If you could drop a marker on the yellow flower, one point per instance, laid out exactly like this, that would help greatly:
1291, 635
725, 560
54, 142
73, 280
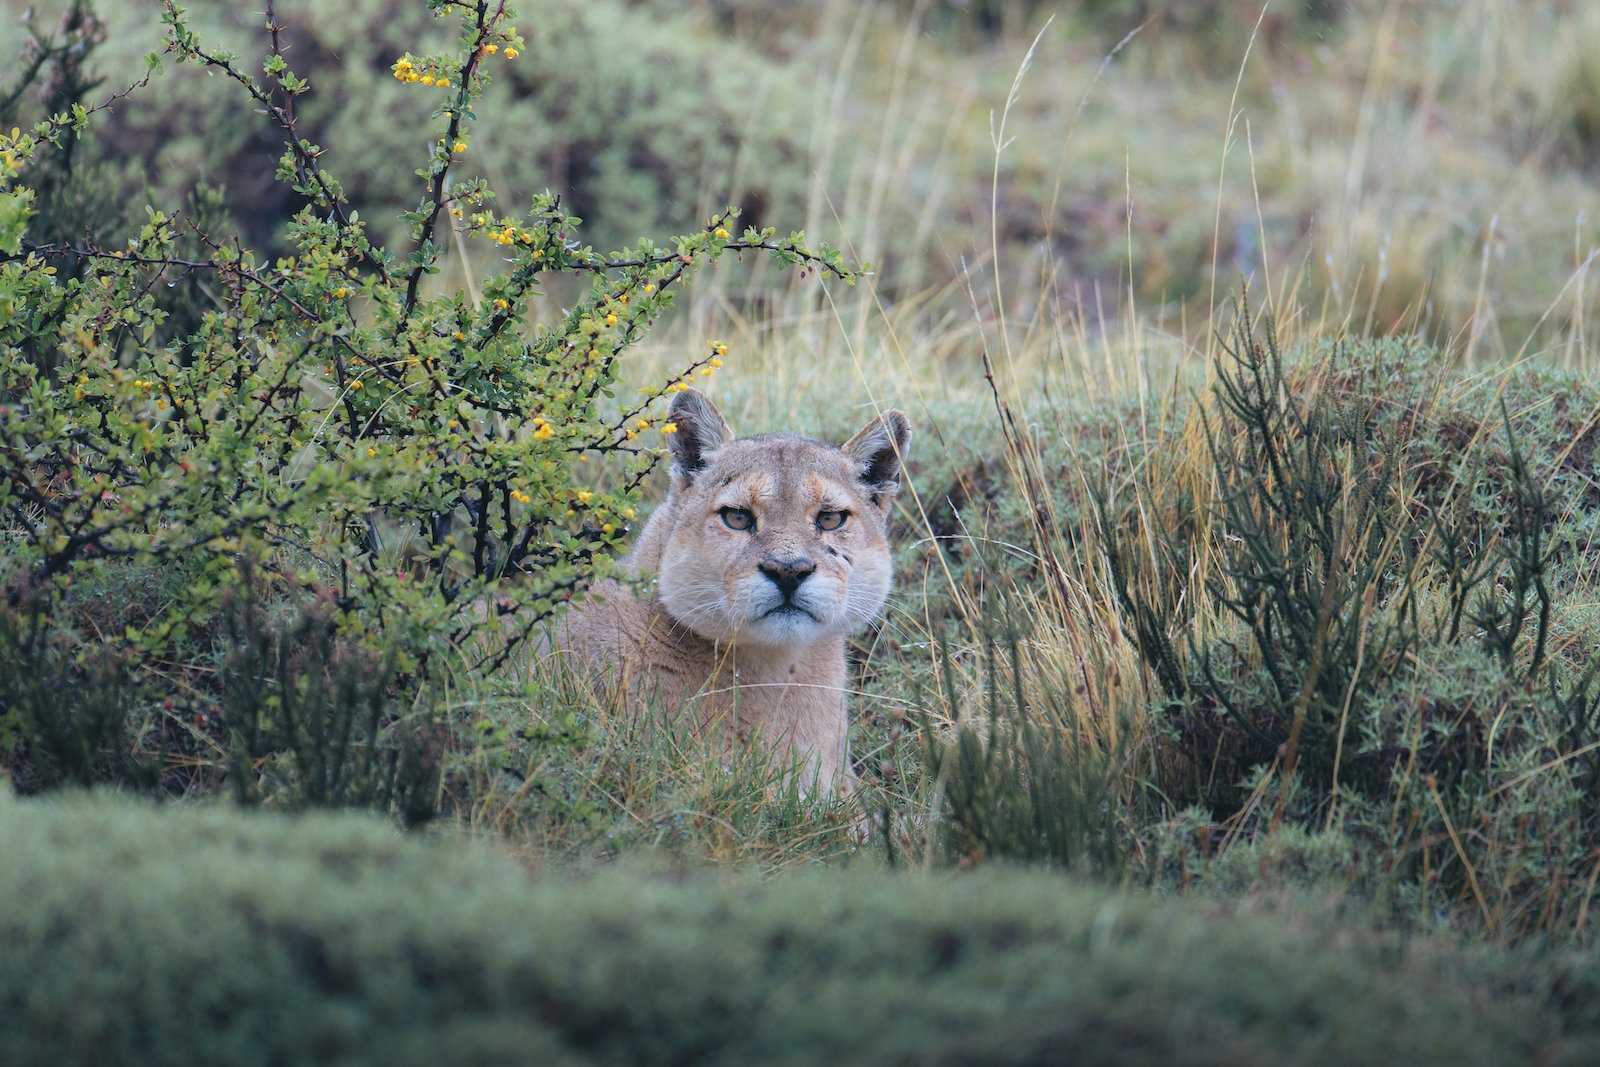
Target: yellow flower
491, 49
502, 304
611, 319
459, 336
584, 496
444, 83
427, 79
721, 233
459, 147
340, 293
628, 513
356, 384
644, 424
720, 348
714, 362
538, 253
452, 424
542, 430
706, 372
669, 427
520, 497
649, 287
372, 453
511, 53
608, 529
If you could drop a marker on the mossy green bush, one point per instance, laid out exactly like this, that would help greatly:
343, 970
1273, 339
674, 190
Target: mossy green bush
136, 936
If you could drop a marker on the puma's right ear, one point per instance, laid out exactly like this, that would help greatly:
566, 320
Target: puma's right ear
879, 451
700, 432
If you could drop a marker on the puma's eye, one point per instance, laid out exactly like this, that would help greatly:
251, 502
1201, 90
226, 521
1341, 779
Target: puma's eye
738, 519
831, 520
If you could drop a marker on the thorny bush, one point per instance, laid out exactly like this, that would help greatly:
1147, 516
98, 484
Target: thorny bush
410, 455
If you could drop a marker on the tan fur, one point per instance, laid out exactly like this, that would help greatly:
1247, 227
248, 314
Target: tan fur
713, 637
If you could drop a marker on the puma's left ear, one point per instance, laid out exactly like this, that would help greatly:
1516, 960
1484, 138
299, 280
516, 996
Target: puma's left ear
701, 432
879, 451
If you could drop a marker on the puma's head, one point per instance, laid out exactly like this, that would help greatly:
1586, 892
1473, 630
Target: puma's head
775, 540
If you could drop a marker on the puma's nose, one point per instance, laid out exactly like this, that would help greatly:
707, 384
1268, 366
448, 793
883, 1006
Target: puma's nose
787, 574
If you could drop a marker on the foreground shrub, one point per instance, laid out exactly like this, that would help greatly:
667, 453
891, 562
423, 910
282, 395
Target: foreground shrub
204, 936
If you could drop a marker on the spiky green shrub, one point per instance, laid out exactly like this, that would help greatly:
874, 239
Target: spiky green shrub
312, 721
193, 935
1384, 578
66, 712
406, 454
